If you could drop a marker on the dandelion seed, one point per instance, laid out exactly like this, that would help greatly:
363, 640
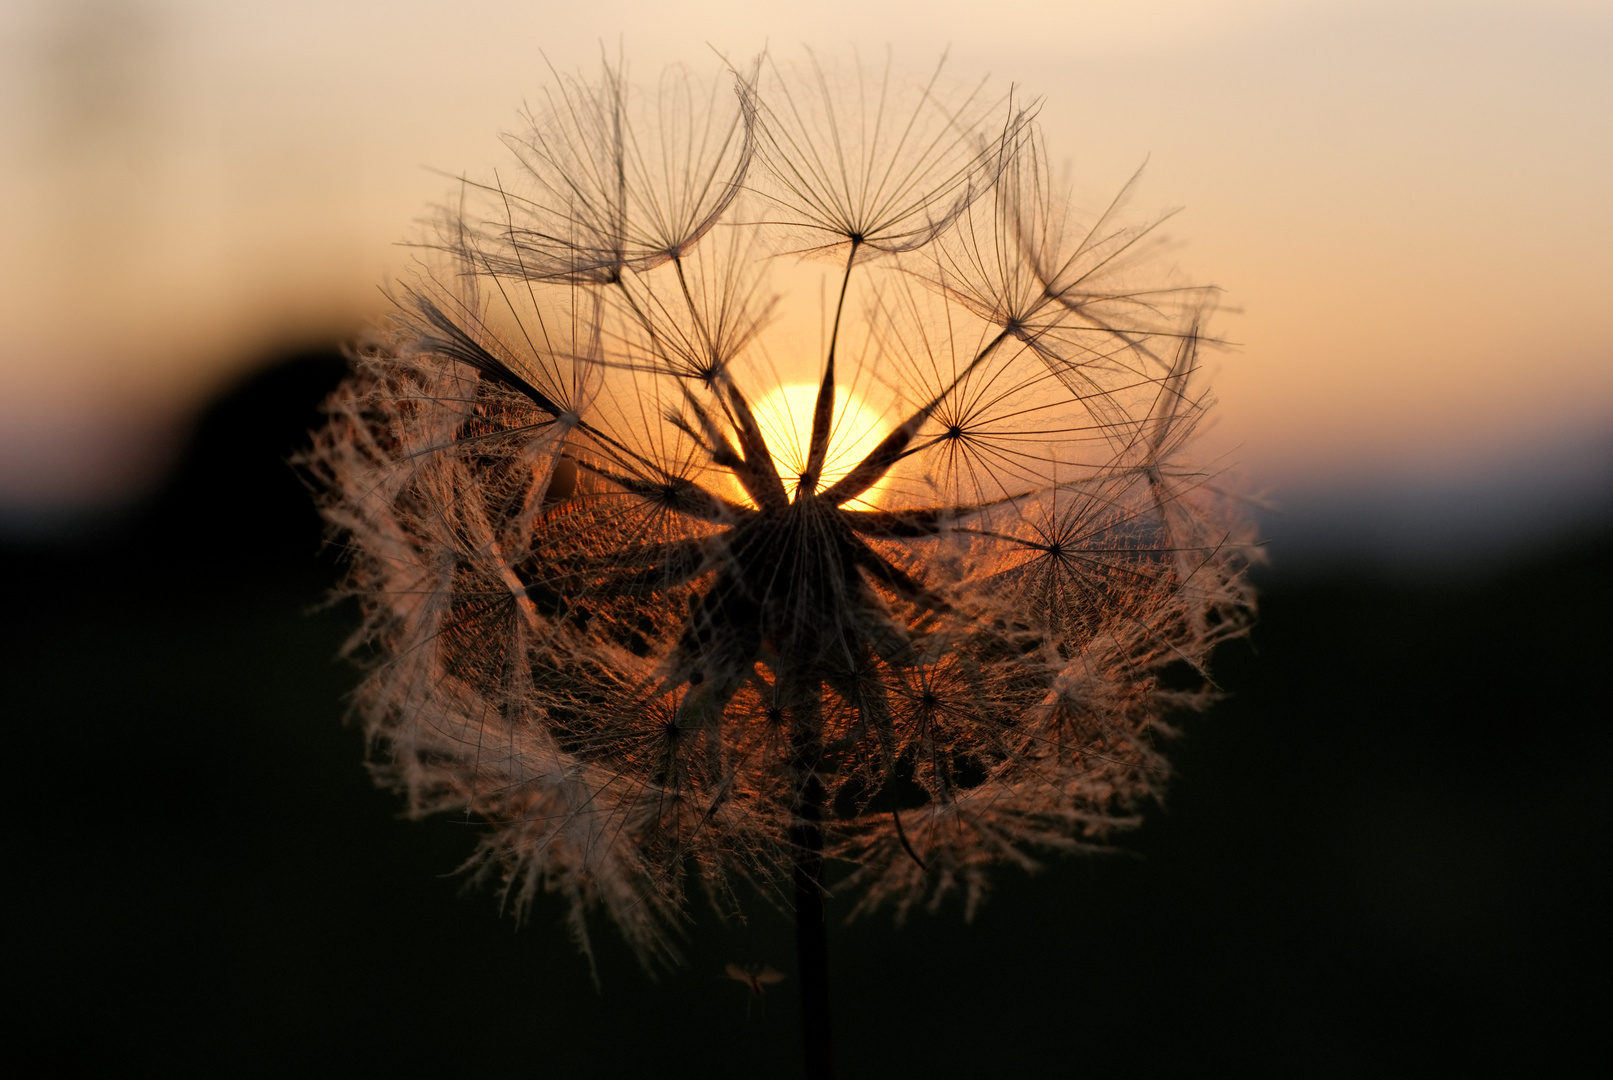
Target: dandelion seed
756, 979
661, 598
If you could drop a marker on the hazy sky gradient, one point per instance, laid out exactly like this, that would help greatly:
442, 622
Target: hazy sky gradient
1405, 204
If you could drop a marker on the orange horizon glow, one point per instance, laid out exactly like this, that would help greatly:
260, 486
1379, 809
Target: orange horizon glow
1403, 205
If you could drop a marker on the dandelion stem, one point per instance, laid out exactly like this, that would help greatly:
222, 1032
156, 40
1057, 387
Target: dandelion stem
806, 838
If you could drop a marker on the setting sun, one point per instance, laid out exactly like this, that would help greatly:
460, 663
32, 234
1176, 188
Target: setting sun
785, 416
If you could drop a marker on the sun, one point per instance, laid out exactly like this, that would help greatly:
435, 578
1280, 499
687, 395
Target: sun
785, 417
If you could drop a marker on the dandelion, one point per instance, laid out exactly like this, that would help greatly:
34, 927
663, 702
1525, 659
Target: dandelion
665, 591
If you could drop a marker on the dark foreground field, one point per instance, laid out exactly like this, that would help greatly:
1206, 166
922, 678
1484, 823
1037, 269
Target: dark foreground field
1385, 854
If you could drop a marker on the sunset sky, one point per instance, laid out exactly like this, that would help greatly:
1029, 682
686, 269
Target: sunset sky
1405, 204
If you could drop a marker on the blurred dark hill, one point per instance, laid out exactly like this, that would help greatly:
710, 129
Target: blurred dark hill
1384, 854
232, 500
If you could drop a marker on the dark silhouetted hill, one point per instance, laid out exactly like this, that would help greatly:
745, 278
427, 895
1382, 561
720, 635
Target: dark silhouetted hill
1384, 854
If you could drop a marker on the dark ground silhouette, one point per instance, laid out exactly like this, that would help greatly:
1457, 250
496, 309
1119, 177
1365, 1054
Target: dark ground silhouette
1384, 854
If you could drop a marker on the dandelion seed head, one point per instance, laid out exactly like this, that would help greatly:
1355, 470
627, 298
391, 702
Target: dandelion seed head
663, 595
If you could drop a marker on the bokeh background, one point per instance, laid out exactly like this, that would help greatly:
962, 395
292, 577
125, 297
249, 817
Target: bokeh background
1385, 853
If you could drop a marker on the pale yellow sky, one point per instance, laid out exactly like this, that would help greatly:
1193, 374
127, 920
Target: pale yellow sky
1405, 203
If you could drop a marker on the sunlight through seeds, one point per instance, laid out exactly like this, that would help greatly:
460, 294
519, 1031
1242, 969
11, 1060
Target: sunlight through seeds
785, 419
660, 617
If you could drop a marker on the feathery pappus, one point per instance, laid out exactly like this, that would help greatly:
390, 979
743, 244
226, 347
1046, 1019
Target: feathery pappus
774, 469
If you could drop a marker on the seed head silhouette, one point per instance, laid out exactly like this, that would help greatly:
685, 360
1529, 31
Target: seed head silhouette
664, 588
